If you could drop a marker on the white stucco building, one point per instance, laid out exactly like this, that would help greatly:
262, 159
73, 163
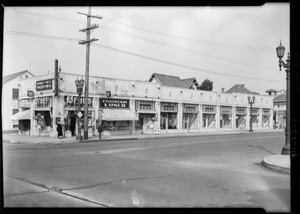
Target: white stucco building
10, 99
136, 107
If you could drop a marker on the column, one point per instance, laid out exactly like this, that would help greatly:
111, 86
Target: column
271, 119
97, 116
32, 120
179, 116
55, 110
218, 112
248, 118
200, 117
233, 116
157, 123
260, 111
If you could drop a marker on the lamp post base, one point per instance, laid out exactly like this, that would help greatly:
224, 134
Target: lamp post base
250, 130
285, 150
78, 137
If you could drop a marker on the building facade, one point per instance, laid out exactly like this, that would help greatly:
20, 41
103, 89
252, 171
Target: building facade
279, 111
135, 107
10, 101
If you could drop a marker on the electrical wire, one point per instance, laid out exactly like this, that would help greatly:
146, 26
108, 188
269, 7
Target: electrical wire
134, 54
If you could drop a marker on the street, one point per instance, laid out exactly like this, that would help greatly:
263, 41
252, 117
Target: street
198, 171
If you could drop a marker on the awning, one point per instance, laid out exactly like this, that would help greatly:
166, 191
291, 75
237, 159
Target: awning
146, 112
23, 115
113, 114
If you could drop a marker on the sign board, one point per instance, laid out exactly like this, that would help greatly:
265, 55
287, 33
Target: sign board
43, 85
24, 103
30, 93
79, 114
169, 107
114, 103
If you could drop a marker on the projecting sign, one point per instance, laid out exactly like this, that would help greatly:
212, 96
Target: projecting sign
113, 103
30, 93
43, 85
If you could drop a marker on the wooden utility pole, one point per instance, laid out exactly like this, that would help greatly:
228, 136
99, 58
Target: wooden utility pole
87, 42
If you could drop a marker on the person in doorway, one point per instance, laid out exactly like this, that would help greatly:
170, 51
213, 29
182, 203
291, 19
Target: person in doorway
59, 130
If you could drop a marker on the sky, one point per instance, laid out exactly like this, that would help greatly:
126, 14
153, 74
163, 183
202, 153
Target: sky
227, 45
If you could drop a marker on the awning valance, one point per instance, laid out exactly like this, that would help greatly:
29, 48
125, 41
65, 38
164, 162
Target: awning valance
114, 115
23, 115
146, 111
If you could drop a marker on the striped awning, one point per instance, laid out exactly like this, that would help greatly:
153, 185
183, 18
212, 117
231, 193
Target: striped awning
118, 115
23, 115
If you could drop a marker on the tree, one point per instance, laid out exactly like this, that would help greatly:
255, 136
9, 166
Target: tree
206, 85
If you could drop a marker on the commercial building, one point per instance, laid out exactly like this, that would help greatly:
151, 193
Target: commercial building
280, 111
133, 107
10, 102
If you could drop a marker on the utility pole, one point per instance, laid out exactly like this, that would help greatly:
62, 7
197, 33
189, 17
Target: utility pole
87, 42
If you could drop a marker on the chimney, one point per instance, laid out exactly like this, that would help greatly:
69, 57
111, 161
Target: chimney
223, 90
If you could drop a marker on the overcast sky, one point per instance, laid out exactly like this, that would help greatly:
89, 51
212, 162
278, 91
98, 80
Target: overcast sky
227, 45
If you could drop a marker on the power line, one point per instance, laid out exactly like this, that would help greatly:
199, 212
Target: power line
189, 39
135, 54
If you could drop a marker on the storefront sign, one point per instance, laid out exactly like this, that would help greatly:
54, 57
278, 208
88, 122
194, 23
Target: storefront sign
190, 108
240, 110
43, 102
209, 109
169, 107
71, 101
30, 93
43, 85
226, 110
25, 103
114, 103
144, 105
266, 112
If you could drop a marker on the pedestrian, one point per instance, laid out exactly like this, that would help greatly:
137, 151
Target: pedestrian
100, 129
59, 130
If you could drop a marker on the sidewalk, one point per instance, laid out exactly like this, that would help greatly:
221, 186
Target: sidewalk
24, 139
279, 163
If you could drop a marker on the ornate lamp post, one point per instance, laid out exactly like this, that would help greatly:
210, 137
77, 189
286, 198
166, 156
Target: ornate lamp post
79, 84
280, 53
251, 101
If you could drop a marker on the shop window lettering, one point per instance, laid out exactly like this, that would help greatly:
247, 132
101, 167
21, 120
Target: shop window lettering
72, 101
144, 105
43, 102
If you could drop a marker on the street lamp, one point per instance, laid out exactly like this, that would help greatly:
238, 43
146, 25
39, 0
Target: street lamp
251, 101
280, 53
79, 85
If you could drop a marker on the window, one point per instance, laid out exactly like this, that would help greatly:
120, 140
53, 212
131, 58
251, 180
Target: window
26, 76
15, 93
15, 111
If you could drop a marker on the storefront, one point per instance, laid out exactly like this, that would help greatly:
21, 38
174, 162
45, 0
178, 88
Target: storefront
71, 110
209, 117
225, 117
147, 116
190, 116
168, 115
43, 111
23, 117
254, 118
241, 117
266, 113
116, 116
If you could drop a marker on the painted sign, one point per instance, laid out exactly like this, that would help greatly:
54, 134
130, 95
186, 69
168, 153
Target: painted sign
24, 103
43, 85
114, 103
71, 101
169, 107
43, 102
209, 109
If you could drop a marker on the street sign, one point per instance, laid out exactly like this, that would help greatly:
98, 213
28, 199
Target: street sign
79, 114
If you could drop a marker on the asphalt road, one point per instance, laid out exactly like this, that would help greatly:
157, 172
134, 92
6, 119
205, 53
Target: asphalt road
202, 171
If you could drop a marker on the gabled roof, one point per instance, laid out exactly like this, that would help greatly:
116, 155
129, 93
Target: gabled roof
173, 81
14, 75
240, 88
271, 90
281, 97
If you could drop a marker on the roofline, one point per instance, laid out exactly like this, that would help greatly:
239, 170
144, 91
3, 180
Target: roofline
21, 72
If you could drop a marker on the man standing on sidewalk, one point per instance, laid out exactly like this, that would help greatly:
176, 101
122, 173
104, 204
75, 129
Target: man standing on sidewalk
100, 129
59, 130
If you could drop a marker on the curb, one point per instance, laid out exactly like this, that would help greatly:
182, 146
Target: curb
195, 134
277, 168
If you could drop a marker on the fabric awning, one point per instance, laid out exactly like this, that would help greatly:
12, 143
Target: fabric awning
23, 115
113, 114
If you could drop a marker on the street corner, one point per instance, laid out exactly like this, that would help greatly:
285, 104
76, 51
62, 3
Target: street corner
279, 163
